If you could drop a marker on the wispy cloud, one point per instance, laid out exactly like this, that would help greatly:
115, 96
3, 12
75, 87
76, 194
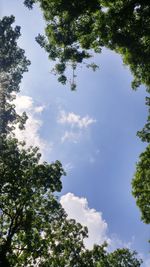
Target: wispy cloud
31, 133
93, 156
75, 125
68, 167
71, 136
75, 120
116, 242
147, 263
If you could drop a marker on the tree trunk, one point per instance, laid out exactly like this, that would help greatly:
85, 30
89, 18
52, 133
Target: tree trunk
3, 86
3, 261
3, 258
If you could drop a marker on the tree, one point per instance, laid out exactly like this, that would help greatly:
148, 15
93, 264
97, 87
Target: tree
141, 179
123, 258
144, 134
33, 225
13, 64
141, 185
34, 228
74, 28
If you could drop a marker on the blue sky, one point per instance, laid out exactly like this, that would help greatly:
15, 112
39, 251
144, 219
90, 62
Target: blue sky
92, 131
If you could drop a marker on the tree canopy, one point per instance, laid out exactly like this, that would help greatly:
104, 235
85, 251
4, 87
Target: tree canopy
144, 134
74, 28
13, 64
141, 184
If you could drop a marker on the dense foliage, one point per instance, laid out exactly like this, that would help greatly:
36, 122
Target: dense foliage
13, 64
34, 228
141, 184
75, 27
144, 134
141, 179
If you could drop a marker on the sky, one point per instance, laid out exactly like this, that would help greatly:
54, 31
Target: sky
92, 131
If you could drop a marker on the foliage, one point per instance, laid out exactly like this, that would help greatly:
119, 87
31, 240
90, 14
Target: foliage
141, 180
34, 228
25, 200
13, 64
123, 258
75, 27
144, 134
141, 185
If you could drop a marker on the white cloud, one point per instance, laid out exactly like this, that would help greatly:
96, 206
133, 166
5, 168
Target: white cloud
77, 208
76, 126
25, 103
39, 109
75, 120
71, 136
31, 133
